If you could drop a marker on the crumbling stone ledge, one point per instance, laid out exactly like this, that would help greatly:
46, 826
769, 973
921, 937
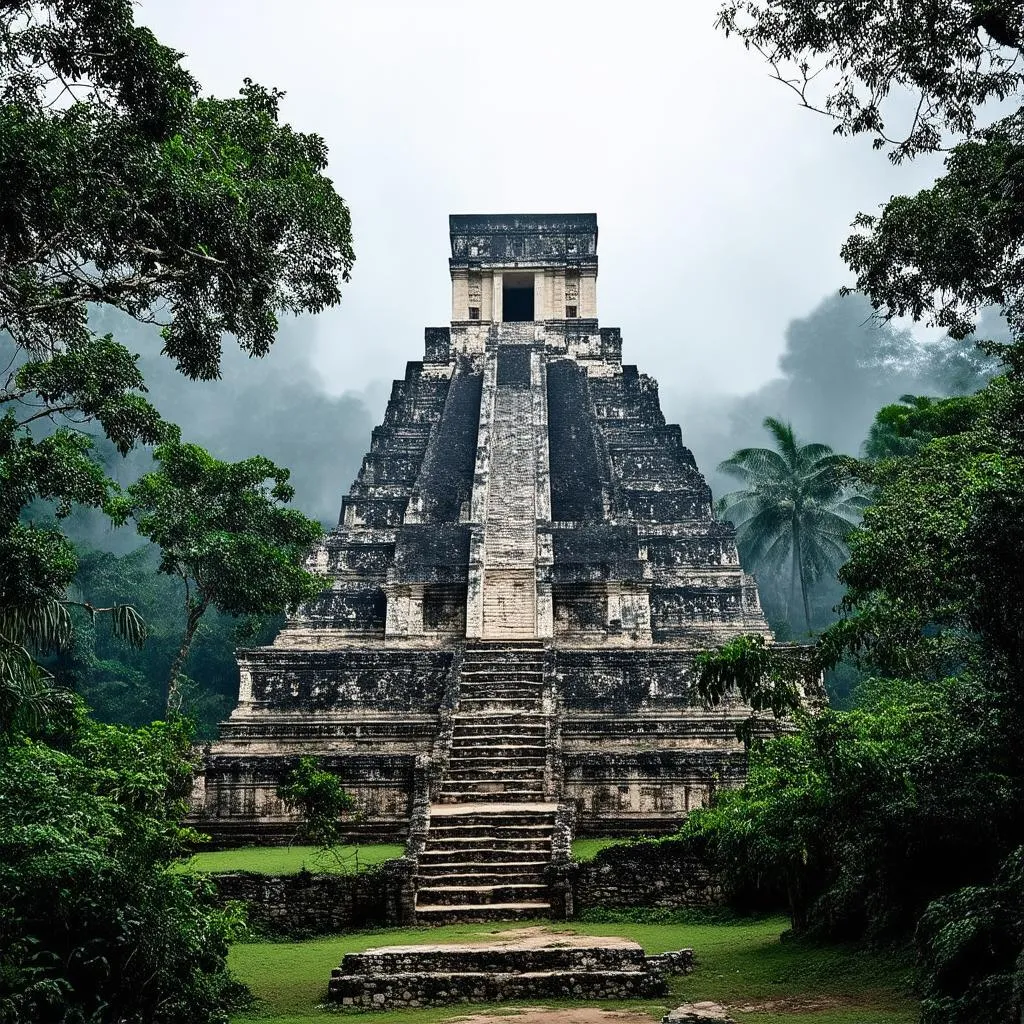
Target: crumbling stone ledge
307, 904
644, 874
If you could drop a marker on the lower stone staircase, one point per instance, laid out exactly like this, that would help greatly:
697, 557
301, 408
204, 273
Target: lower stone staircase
488, 845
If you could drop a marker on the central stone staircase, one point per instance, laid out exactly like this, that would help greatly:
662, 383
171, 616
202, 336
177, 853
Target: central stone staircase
488, 845
510, 536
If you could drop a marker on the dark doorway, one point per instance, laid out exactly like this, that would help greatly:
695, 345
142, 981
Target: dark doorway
517, 298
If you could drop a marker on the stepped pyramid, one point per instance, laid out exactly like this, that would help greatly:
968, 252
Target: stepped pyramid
522, 575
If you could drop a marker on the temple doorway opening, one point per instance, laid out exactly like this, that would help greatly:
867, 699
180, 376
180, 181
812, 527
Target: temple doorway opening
517, 298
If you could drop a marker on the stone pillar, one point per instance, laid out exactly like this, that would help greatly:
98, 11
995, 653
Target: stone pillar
496, 297
244, 682
540, 306
460, 295
588, 294
487, 295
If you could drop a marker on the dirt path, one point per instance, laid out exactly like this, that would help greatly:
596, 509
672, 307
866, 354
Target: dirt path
540, 1015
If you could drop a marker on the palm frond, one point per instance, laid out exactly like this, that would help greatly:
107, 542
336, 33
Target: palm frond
785, 439
42, 627
28, 696
826, 522
769, 553
760, 533
814, 452
739, 506
128, 625
756, 464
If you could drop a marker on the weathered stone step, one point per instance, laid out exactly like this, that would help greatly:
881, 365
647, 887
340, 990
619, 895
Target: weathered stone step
492, 791
477, 895
494, 773
444, 854
532, 687
485, 645
497, 867
503, 677
497, 812
503, 664
447, 914
473, 779
496, 705
441, 989
533, 683
519, 793
518, 657
500, 750
528, 668
446, 817
449, 960
524, 830
488, 741
536, 841
469, 757
478, 878
507, 691
509, 726
497, 785
524, 672
494, 691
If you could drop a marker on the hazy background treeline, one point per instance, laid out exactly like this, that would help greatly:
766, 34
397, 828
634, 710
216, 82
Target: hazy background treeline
838, 368
276, 406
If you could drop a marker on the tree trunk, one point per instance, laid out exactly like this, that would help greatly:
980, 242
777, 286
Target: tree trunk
193, 614
795, 575
803, 579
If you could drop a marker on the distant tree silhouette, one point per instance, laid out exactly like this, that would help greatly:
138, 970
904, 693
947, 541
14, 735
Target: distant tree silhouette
795, 509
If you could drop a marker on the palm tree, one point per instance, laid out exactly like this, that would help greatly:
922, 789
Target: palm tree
795, 509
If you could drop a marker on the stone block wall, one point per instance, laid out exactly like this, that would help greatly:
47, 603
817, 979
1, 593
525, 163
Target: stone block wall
644, 874
321, 904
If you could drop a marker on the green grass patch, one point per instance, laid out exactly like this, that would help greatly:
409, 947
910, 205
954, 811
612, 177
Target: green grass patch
284, 860
588, 849
742, 964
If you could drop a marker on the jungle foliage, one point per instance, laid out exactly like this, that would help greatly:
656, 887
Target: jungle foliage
899, 820
95, 928
123, 190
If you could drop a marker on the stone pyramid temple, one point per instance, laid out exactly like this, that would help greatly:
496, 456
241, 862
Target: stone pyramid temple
521, 577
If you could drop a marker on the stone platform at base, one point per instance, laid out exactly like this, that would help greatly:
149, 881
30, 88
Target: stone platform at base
526, 963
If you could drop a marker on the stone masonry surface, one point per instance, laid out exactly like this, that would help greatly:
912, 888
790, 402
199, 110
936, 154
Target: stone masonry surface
523, 572
531, 964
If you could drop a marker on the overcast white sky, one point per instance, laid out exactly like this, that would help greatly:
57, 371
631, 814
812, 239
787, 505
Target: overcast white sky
721, 205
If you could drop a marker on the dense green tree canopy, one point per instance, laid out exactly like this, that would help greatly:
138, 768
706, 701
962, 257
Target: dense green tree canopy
907, 811
848, 57
320, 801
223, 530
120, 185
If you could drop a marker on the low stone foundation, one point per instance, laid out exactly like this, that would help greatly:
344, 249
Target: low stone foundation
644, 874
307, 904
412, 990
531, 964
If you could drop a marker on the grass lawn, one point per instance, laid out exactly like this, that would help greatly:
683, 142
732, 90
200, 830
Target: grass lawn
588, 849
742, 964
283, 860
